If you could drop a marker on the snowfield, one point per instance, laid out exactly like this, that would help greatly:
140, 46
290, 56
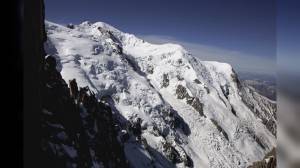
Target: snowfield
195, 109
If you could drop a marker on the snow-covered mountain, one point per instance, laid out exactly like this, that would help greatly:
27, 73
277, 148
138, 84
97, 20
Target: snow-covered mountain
193, 113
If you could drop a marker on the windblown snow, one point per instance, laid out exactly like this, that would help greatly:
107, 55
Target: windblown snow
191, 110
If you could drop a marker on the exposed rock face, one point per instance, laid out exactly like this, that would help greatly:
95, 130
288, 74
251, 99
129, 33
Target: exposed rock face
150, 69
78, 131
225, 91
181, 92
176, 154
269, 161
193, 101
171, 153
165, 80
197, 81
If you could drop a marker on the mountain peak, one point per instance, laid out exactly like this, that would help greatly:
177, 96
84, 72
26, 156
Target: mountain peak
192, 112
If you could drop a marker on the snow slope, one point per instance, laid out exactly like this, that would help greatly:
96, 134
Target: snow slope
190, 109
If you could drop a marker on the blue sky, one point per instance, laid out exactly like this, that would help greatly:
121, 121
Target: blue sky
288, 36
240, 32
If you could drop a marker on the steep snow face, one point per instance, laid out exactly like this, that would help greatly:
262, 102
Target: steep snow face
194, 113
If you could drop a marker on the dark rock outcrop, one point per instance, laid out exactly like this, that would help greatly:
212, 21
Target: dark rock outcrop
77, 129
225, 90
197, 81
165, 82
181, 92
171, 153
269, 161
193, 101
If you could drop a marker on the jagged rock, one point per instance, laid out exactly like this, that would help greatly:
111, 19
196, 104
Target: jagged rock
73, 88
181, 92
76, 127
269, 161
119, 49
225, 90
150, 69
165, 82
171, 153
188, 162
179, 61
136, 128
193, 101
197, 81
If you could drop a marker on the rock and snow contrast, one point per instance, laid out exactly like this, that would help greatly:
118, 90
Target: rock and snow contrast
263, 87
193, 113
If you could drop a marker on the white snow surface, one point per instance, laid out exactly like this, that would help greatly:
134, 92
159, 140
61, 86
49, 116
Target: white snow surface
130, 70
